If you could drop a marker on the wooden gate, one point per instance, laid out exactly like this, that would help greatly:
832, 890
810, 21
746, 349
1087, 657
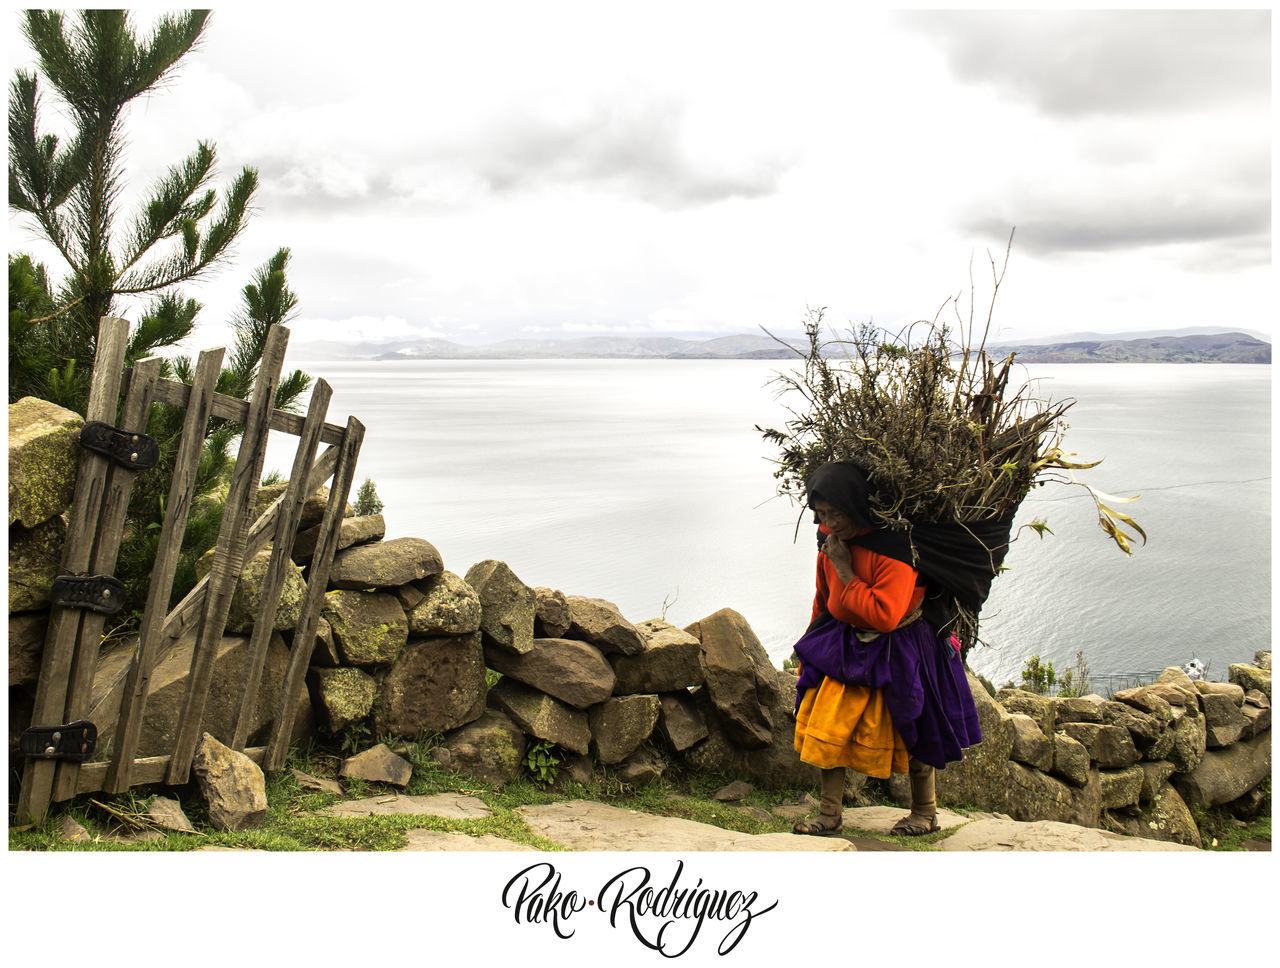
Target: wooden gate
95, 528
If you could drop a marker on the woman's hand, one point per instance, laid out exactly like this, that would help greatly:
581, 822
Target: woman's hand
840, 556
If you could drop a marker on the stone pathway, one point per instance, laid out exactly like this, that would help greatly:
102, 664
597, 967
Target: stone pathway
588, 825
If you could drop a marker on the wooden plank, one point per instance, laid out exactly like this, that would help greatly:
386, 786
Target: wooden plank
110, 528
294, 497
304, 638
185, 613
229, 556
177, 510
233, 408
149, 769
64, 623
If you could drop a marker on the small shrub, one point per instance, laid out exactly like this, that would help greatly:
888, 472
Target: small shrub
367, 500
1038, 677
542, 761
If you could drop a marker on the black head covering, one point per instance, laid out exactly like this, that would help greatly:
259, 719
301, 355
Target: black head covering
956, 560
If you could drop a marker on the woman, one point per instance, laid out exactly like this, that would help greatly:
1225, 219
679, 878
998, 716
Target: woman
881, 689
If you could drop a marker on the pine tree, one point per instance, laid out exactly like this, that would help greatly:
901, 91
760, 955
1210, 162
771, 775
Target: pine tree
71, 192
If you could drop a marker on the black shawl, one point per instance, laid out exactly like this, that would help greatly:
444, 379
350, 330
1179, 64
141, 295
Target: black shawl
957, 561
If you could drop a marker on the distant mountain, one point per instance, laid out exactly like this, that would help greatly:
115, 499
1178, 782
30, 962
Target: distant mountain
1218, 347
1198, 348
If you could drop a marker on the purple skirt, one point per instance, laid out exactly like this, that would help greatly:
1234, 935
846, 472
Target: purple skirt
923, 679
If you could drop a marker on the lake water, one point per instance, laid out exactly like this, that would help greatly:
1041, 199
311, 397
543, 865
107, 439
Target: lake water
644, 482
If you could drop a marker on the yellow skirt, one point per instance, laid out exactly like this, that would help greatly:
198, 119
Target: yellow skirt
842, 725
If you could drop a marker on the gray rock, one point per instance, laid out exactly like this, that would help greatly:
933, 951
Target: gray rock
167, 688
599, 622
733, 791
72, 831
1189, 742
1109, 746
1070, 759
370, 628
620, 724
740, 680
680, 721
572, 671
491, 749
1259, 720
448, 606
1250, 677
1143, 729
1146, 700
1256, 697
641, 768
1229, 689
1224, 775
1174, 694
309, 782
543, 717
670, 660
352, 532
1039, 708
35, 560
1154, 778
233, 786
378, 765
982, 776
1032, 795
1248, 807
773, 766
44, 454
1177, 676
1077, 709
385, 564
507, 605
1121, 788
247, 599
1030, 745
551, 613
1162, 747
1224, 721
168, 813
26, 646
341, 696
435, 685
1262, 660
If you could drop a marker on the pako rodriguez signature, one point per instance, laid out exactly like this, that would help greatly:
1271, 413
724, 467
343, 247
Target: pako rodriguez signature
667, 918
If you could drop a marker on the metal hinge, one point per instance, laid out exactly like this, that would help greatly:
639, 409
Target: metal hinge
74, 741
136, 451
95, 593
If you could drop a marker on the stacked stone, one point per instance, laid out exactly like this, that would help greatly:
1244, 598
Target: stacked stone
1133, 763
44, 453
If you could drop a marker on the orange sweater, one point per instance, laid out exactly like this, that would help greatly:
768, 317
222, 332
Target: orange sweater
881, 594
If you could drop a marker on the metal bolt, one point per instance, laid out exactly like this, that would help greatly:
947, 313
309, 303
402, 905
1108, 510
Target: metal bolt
50, 750
133, 439
106, 594
134, 457
56, 737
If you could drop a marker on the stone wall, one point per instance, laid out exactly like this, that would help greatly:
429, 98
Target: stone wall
403, 646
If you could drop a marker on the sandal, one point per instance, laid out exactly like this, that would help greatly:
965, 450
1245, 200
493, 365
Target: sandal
820, 826
908, 826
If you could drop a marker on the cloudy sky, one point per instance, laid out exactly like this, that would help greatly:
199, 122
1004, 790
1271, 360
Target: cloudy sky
489, 170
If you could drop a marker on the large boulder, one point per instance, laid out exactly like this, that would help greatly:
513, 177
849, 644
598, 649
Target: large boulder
671, 660
1121, 788
35, 560
1109, 746
168, 685
740, 680
1165, 817
507, 605
1224, 722
1040, 708
247, 599
571, 671
341, 697
1259, 718
599, 622
447, 606
680, 721
1030, 745
1250, 677
1189, 741
1070, 760
1155, 776
1032, 795
1224, 775
1143, 729
551, 613
491, 749
385, 564
44, 453
233, 786
26, 646
620, 724
1145, 699
1077, 709
351, 532
435, 685
369, 628
1229, 689
542, 716
980, 778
